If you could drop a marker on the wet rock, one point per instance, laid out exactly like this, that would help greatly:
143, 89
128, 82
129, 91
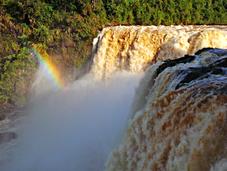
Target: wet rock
192, 74
2, 116
171, 63
7, 137
219, 52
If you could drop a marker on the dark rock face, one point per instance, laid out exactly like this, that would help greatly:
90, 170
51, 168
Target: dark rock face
181, 124
172, 63
216, 65
7, 137
2, 116
219, 52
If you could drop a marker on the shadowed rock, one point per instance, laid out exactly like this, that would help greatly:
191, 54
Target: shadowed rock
7, 137
171, 63
2, 116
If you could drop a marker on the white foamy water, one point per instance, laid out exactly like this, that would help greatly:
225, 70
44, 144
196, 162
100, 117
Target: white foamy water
75, 128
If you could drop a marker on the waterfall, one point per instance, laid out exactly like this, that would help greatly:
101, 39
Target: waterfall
77, 126
181, 123
134, 48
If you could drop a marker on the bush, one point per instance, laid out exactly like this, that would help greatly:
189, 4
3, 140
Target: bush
15, 77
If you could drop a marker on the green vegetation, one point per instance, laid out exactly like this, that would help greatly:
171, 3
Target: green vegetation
16, 70
66, 28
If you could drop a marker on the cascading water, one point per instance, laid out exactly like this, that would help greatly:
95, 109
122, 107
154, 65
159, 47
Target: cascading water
181, 123
76, 127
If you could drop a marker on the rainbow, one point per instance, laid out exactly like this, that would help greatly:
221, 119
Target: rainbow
51, 70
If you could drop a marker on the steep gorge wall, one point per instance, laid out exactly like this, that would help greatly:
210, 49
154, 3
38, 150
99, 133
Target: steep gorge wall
133, 48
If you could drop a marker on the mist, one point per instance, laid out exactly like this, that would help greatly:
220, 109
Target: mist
73, 129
